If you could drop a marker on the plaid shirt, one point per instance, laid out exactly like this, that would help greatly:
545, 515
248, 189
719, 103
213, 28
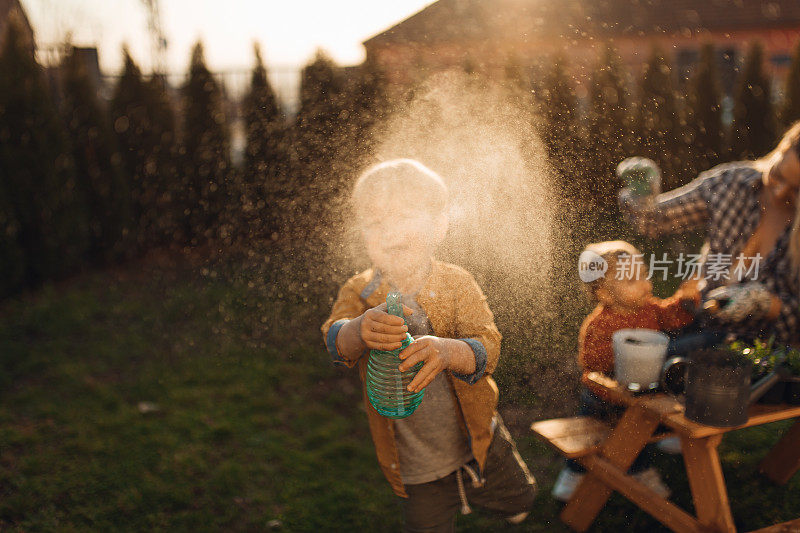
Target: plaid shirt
724, 203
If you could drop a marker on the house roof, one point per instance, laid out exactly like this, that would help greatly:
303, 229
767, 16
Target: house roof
463, 20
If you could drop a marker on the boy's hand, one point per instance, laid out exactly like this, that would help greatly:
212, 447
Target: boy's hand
434, 352
381, 331
690, 290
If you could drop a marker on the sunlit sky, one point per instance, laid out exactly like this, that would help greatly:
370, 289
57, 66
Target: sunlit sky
289, 30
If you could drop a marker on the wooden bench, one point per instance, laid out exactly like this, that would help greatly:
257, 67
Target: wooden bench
577, 436
607, 466
573, 437
793, 526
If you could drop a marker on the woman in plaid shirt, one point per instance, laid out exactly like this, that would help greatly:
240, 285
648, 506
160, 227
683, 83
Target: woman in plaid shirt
750, 213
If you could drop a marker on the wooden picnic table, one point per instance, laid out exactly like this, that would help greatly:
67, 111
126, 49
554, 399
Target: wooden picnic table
607, 465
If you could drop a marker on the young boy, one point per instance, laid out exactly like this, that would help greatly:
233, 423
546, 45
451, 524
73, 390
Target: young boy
456, 432
624, 298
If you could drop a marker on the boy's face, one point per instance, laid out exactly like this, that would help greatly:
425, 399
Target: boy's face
400, 239
627, 286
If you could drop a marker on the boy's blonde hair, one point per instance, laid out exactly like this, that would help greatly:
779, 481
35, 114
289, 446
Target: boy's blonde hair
610, 251
404, 178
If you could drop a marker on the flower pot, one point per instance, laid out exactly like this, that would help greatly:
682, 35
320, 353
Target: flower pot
639, 358
717, 389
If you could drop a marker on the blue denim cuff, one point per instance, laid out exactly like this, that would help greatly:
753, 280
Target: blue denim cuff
480, 362
330, 342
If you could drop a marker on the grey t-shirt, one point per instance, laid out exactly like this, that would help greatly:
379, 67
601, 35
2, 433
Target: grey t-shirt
430, 441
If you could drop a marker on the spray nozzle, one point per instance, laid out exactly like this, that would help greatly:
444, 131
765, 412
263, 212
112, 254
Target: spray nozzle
641, 174
394, 304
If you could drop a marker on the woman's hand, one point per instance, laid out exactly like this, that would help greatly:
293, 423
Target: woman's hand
744, 300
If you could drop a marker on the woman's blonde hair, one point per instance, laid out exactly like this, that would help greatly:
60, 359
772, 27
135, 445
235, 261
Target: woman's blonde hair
794, 241
789, 141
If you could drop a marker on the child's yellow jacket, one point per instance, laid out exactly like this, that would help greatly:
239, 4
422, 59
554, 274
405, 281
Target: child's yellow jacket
457, 309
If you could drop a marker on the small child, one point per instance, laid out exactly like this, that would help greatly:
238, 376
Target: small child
456, 432
624, 298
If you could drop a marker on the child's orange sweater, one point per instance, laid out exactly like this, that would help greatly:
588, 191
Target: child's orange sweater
595, 352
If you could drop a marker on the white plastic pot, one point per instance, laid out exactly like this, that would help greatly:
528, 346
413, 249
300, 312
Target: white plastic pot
639, 356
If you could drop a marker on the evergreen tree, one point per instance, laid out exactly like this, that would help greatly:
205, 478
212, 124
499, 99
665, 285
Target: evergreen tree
12, 256
753, 132
145, 126
206, 154
132, 125
98, 172
704, 112
365, 105
658, 123
790, 111
321, 89
358, 112
559, 129
317, 139
608, 133
161, 204
265, 155
47, 216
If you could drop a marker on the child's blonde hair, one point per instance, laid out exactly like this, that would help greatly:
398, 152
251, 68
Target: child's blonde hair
403, 178
610, 251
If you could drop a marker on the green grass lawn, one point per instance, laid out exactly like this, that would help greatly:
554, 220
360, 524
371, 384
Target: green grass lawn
247, 422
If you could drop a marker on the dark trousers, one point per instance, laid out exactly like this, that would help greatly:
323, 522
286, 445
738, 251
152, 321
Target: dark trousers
507, 489
591, 405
